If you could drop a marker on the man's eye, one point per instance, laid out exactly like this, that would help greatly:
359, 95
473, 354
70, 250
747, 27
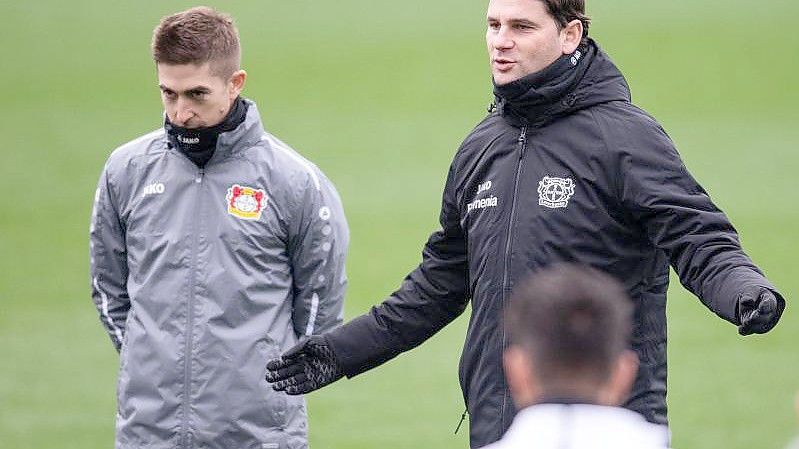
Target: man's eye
493, 26
198, 95
168, 94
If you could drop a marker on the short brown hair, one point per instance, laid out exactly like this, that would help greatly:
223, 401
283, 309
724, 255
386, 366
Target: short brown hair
196, 36
564, 11
574, 321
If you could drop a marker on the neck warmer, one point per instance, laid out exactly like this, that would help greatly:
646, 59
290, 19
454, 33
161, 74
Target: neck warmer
536, 98
199, 144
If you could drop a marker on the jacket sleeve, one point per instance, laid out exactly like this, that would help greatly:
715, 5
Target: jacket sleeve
679, 218
108, 263
430, 297
318, 250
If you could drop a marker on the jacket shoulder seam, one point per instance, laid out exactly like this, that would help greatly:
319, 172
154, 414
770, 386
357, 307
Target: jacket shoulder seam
466, 142
277, 144
152, 135
617, 188
134, 147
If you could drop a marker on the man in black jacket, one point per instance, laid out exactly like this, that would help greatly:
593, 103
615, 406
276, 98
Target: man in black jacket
564, 169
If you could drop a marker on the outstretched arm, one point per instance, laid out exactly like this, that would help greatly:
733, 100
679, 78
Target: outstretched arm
431, 296
703, 247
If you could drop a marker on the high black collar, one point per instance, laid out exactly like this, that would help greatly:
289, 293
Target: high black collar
199, 144
574, 81
534, 98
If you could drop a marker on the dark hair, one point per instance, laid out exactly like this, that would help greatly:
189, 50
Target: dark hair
573, 320
196, 36
564, 11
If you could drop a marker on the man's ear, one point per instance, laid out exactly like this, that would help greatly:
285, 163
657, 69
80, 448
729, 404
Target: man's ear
522, 382
621, 380
236, 85
571, 36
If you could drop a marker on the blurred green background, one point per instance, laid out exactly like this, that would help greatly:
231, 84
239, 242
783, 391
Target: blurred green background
379, 95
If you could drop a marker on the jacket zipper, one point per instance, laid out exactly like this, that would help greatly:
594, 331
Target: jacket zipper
522, 140
190, 315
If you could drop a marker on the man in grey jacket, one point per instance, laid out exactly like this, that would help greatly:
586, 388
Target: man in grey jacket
214, 247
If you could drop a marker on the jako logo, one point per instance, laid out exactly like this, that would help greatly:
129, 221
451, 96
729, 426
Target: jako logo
483, 187
576, 57
153, 188
188, 140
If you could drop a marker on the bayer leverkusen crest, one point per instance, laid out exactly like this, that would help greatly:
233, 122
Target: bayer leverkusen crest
245, 202
555, 192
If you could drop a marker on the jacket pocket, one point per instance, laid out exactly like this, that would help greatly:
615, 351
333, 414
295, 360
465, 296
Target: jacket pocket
275, 403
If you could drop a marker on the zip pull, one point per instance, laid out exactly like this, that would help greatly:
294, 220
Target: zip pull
199, 177
523, 135
523, 140
463, 418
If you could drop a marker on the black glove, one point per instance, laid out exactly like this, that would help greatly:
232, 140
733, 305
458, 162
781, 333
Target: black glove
758, 311
308, 366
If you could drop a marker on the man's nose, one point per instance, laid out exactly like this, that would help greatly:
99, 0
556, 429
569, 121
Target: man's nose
501, 40
183, 112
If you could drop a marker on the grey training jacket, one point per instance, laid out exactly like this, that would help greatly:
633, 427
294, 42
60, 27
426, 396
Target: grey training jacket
201, 276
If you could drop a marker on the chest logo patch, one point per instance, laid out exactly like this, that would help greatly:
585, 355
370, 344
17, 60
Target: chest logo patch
245, 202
155, 188
555, 192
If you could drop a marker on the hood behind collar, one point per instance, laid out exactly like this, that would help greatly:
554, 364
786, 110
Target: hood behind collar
585, 78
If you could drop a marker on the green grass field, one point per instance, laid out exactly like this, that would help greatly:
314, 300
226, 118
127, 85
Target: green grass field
379, 95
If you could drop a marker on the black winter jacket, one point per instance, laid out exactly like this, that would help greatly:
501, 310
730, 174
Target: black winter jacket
566, 169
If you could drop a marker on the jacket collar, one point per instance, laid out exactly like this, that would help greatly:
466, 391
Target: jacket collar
573, 82
244, 136
229, 142
542, 422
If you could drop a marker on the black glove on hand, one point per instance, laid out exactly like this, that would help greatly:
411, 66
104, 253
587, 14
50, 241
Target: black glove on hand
308, 366
758, 311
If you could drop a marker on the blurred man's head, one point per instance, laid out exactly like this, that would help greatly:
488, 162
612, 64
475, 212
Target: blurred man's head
526, 36
198, 57
569, 329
